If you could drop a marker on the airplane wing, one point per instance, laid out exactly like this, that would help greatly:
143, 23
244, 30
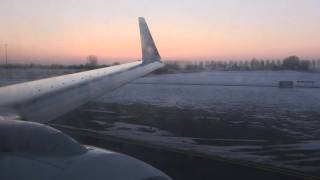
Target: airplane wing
36, 151
47, 99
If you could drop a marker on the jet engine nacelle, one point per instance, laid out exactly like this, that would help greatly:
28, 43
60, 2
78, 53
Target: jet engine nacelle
41, 152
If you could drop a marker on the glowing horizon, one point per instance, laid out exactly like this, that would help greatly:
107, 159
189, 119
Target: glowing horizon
66, 31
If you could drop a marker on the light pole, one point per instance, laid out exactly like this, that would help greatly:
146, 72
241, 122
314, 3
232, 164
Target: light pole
6, 53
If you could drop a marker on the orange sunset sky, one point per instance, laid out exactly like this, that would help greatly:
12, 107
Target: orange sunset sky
66, 31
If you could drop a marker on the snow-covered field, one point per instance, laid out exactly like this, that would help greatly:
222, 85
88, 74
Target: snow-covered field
222, 97
254, 96
303, 156
291, 110
235, 77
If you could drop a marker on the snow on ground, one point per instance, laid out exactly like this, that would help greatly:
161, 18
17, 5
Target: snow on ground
222, 96
266, 154
121, 127
217, 97
288, 110
235, 77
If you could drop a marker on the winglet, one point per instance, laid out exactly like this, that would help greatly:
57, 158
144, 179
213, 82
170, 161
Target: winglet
150, 52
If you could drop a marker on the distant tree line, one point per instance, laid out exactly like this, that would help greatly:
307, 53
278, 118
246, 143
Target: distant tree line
91, 63
289, 63
52, 66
